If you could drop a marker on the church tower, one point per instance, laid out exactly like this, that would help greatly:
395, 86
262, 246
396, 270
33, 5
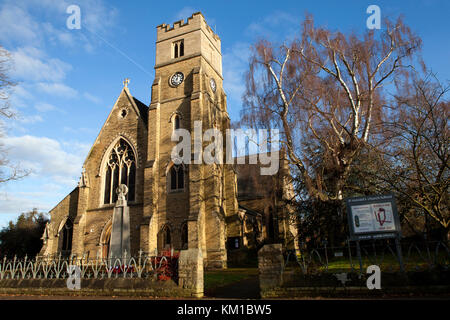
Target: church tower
186, 206
168, 206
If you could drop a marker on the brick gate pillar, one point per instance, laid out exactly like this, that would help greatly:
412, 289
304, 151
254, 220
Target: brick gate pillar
270, 265
190, 271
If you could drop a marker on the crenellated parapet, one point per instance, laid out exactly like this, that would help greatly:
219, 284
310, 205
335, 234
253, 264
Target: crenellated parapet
185, 40
197, 20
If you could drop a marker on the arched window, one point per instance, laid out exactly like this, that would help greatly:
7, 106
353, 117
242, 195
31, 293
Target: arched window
120, 169
175, 52
184, 236
67, 233
166, 237
176, 176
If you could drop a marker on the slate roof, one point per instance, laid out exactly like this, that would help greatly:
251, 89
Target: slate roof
143, 109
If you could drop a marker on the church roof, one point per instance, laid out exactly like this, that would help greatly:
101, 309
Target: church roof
143, 109
140, 108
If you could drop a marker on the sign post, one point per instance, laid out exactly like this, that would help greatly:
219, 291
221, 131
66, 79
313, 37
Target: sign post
358, 252
399, 253
374, 217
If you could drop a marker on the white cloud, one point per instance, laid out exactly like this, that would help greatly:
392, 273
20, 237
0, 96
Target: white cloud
236, 58
30, 119
235, 64
277, 20
44, 74
79, 130
32, 30
17, 25
44, 107
46, 157
32, 64
186, 12
56, 36
19, 95
98, 16
92, 98
57, 89
20, 92
5, 217
10, 203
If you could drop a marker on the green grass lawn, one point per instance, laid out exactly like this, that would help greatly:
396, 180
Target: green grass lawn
412, 262
221, 278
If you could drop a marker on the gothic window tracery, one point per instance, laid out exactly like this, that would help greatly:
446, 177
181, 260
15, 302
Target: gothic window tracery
120, 169
67, 233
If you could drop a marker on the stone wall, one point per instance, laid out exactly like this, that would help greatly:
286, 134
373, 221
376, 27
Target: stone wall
66, 209
98, 287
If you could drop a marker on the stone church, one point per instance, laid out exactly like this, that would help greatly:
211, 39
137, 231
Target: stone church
218, 208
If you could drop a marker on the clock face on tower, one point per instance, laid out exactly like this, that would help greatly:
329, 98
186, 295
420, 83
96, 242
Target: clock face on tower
212, 83
176, 79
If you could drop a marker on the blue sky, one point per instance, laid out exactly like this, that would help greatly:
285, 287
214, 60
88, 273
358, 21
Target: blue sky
70, 79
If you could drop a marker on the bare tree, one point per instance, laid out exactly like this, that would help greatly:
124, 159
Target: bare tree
324, 91
7, 171
6, 84
417, 156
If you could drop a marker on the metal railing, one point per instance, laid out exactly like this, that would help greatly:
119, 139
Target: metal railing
144, 265
417, 256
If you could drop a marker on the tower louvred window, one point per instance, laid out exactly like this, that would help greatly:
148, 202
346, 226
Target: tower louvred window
176, 177
120, 169
178, 48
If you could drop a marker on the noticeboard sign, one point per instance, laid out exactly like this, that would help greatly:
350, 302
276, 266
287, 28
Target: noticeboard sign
373, 217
